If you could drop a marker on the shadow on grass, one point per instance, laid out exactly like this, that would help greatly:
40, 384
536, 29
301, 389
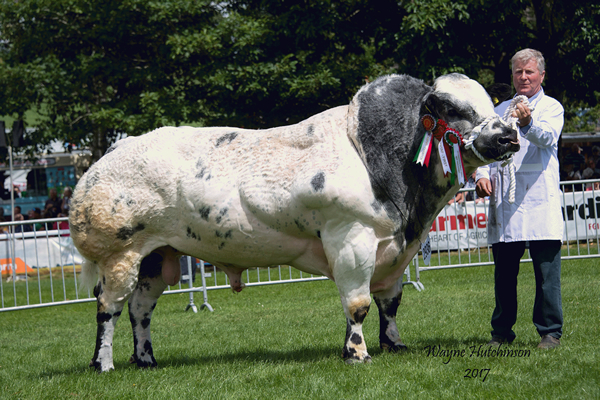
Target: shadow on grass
306, 354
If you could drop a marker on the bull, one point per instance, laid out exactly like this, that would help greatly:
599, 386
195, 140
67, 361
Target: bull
337, 194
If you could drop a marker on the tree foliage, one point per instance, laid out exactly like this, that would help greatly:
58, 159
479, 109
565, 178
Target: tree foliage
94, 70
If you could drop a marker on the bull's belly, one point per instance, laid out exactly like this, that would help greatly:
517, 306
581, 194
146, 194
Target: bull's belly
250, 246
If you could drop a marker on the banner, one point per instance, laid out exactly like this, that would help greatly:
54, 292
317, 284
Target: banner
41, 252
21, 268
464, 226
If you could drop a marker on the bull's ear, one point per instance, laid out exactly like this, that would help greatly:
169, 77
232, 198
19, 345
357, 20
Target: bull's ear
499, 92
432, 105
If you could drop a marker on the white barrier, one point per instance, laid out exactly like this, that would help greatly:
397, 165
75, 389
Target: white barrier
40, 269
464, 226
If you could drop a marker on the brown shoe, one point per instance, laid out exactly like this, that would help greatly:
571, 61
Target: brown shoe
548, 342
497, 341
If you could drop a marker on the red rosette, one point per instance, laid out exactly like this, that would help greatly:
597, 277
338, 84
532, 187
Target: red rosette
452, 137
428, 122
440, 129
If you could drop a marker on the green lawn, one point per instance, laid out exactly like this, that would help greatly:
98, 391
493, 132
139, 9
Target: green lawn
284, 341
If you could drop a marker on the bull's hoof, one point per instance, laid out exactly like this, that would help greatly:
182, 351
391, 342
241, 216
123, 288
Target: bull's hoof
143, 363
353, 360
99, 368
393, 348
351, 356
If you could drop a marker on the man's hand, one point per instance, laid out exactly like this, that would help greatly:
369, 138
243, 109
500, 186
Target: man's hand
483, 187
523, 114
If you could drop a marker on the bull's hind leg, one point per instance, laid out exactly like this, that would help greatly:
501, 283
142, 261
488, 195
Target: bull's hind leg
387, 303
118, 277
149, 288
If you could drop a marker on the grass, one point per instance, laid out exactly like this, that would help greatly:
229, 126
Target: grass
284, 341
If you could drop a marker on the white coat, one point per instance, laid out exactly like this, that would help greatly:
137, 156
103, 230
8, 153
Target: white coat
536, 213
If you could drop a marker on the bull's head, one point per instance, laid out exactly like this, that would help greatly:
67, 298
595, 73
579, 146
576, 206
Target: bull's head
466, 107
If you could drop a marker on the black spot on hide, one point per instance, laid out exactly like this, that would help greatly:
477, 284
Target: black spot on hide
97, 290
318, 181
311, 130
222, 213
319, 234
204, 212
150, 267
148, 347
221, 245
145, 323
226, 235
228, 137
192, 235
127, 232
203, 171
103, 317
300, 226
356, 339
91, 181
360, 314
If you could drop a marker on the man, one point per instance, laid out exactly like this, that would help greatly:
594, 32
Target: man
53, 205
535, 215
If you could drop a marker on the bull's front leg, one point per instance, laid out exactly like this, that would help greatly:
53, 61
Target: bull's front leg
351, 249
142, 302
387, 303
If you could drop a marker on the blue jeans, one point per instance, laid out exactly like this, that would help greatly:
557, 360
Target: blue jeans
547, 309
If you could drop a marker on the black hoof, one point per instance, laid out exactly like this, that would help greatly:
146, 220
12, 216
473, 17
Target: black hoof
393, 348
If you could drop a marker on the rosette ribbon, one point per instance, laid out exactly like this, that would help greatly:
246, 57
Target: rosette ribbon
424, 153
454, 139
443, 147
434, 129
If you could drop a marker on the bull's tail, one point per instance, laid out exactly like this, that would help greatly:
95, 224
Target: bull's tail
89, 275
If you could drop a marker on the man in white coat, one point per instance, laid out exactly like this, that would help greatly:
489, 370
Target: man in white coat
535, 216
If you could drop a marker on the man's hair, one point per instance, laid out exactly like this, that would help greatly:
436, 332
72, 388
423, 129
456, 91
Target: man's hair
525, 55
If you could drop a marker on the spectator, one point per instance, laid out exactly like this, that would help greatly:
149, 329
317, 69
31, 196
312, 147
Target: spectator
36, 214
62, 225
22, 227
4, 193
66, 201
596, 158
588, 173
53, 204
576, 158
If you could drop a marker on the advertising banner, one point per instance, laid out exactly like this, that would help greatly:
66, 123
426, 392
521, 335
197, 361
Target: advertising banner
464, 226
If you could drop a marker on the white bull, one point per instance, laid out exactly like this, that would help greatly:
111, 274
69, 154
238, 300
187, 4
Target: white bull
337, 194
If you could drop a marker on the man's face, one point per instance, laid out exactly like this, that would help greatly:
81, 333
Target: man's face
527, 78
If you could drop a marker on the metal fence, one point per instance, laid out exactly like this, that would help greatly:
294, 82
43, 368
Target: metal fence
40, 265
459, 234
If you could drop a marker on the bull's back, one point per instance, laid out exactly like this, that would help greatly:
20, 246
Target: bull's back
147, 186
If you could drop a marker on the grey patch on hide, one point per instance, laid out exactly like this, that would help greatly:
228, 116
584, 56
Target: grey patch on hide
204, 212
318, 181
228, 137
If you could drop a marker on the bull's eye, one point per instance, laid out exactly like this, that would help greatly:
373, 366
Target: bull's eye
452, 113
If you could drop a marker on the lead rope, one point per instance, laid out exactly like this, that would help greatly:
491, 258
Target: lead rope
513, 121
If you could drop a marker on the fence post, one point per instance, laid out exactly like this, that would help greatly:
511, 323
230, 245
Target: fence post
205, 304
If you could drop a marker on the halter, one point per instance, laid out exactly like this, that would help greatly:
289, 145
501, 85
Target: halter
508, 118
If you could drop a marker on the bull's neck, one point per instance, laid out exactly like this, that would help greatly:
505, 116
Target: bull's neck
412, 195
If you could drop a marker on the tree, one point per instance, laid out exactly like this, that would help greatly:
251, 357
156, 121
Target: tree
99, 69
95, 69
479, 38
